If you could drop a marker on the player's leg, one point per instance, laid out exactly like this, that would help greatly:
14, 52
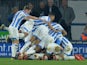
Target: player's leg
35, 51
66, 53
3, 27
15, 40
36, 48
66, 44
26, 28
31, 50
26, 46
27, 43
27, 53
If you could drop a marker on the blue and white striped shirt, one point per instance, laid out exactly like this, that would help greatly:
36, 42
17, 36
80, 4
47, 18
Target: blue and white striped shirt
57, 27
17, 19
40, 22
51, 32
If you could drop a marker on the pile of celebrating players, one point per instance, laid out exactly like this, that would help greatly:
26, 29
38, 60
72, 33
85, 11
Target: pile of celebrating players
44, 39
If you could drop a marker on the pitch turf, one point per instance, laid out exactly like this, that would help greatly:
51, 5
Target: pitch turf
7, 61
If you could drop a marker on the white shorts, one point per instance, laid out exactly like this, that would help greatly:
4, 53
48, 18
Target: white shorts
13, 33
27, 26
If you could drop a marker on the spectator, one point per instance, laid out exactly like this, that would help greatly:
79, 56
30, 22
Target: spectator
84, 34
33, 11
51, 8
68, 16
10, 17
41, 8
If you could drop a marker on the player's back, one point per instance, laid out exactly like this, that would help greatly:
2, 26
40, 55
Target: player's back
57, 27
40, 22
17, 19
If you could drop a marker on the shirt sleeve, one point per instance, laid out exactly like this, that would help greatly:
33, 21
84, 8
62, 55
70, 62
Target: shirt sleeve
60, 27
46, 18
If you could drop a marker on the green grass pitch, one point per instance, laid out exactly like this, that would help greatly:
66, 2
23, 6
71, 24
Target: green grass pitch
8, 61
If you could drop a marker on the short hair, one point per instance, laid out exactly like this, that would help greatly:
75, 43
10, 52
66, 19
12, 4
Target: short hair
27, 7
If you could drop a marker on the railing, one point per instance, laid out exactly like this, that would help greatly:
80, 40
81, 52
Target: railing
79, 24
76, 30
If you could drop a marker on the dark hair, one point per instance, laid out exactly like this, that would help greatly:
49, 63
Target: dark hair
27, 7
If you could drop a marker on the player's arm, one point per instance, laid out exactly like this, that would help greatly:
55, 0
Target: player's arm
64, 32
51, 27
31, 17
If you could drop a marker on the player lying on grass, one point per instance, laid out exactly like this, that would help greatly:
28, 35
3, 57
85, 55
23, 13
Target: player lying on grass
42, 54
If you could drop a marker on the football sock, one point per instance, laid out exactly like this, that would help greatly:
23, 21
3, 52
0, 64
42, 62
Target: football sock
14, 49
